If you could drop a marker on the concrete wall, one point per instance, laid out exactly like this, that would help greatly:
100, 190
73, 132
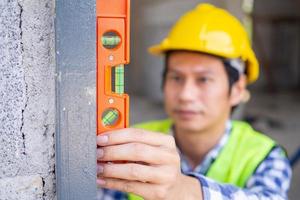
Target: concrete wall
27, 99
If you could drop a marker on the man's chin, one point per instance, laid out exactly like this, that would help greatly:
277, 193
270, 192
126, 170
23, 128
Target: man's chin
191, 126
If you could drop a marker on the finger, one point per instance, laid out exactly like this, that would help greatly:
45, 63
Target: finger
136, 172
138, 152
129, 135
145, 190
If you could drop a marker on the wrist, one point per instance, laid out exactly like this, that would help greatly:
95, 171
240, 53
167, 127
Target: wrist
194, 188
188, 187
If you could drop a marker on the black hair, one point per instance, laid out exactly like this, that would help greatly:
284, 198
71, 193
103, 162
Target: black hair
232, 74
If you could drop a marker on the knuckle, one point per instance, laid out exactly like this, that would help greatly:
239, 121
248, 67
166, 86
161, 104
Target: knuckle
127, 133
137, 149
106, 171
109, 183
174, 176
107, 153
161, 193
177, 159
133, 172
136, 133
171, 140
174, 157
127, 187
170, 177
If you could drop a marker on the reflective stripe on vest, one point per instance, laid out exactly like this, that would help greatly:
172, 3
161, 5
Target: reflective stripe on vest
239, 158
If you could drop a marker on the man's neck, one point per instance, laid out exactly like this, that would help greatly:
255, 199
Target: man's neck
196, 145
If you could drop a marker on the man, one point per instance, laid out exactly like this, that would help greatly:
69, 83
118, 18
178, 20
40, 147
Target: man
199, 153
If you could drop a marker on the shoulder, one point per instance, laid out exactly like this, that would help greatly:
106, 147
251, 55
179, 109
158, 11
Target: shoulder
245, 132
274, 172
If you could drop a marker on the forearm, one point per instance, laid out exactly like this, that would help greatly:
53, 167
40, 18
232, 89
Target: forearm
213, 190
271, 180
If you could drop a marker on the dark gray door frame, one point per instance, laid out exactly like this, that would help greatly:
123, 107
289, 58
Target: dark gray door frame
76, 109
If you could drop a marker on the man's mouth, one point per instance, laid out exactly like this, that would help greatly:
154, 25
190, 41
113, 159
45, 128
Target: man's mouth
186, 113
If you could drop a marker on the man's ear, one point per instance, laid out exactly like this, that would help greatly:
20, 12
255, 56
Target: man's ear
238, 91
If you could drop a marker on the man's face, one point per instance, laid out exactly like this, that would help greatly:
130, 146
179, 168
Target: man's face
196, 91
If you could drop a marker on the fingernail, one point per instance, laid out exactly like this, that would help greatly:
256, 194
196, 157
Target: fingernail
101, 182
100, 153
102, 139
100, 169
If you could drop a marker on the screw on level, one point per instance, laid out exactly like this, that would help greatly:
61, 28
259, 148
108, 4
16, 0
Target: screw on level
111, 101
111, 57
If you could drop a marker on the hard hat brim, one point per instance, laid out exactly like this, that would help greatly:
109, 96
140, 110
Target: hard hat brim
159, 50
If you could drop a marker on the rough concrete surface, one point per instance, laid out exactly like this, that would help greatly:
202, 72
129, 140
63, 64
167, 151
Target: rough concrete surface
27, 101
28, 187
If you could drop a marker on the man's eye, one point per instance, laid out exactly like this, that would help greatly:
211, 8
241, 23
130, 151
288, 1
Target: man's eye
203, 79
174, 78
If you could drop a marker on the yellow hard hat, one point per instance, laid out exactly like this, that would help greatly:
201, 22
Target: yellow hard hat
211, 30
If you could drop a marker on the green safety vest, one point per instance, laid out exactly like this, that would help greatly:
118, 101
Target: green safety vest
239, 158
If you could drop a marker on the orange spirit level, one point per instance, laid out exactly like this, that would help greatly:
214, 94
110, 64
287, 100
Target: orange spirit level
113, 23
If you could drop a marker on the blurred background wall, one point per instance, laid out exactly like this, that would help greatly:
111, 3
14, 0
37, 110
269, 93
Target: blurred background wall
275, 32
274, 27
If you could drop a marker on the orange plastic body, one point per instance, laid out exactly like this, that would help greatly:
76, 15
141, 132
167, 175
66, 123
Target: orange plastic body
112, 15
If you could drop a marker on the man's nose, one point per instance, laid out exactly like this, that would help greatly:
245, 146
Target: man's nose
188, 91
